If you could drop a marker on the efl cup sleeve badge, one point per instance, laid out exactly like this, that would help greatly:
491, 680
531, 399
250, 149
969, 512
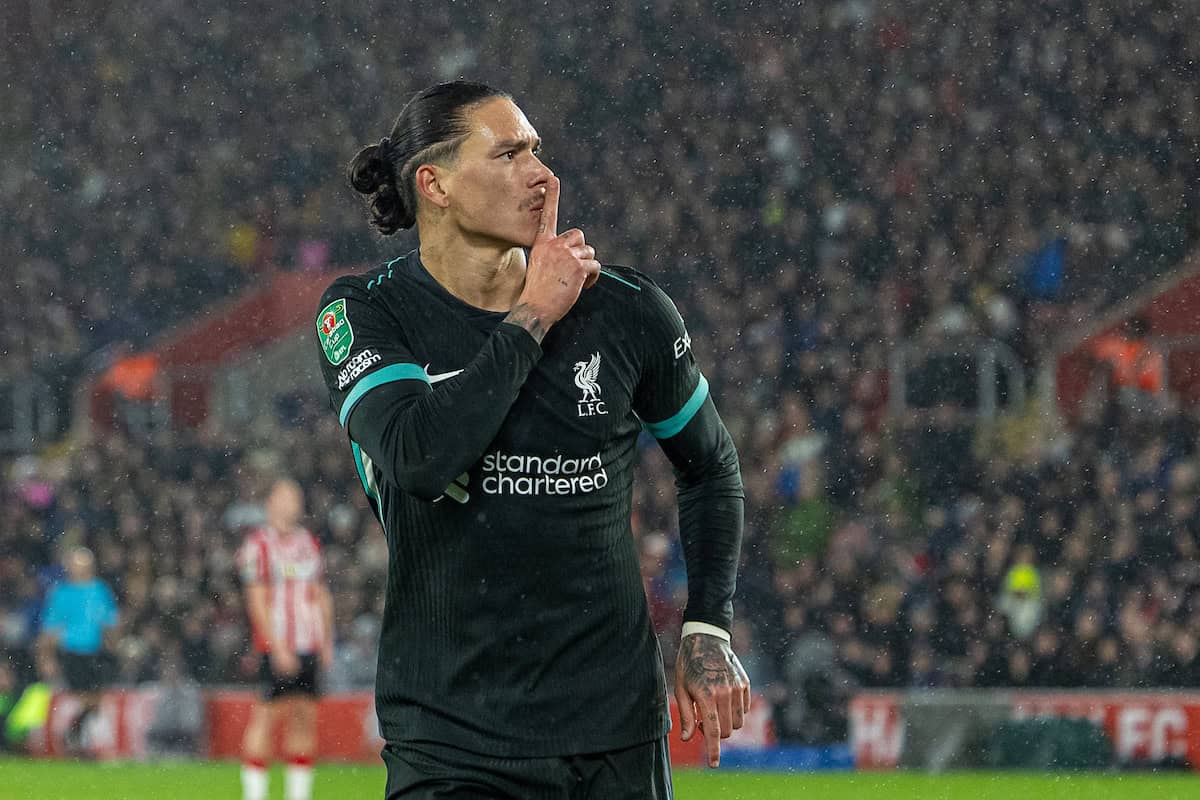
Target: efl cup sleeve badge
334, 331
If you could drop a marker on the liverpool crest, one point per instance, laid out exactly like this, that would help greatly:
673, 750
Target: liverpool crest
586, 378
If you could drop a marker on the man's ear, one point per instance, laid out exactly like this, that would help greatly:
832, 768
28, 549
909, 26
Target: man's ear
429, 185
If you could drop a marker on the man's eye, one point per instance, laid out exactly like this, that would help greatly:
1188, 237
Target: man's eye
510, 155
537, 151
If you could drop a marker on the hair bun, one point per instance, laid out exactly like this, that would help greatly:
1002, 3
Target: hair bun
389, 214
371, 169
373, 173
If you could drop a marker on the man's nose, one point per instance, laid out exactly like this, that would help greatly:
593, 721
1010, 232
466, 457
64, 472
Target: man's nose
540, 175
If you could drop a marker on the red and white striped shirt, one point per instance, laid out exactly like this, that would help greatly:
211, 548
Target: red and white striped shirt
292, 569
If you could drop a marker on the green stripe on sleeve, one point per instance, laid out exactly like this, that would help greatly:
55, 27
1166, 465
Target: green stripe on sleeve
679, 420
619, 279
389, 374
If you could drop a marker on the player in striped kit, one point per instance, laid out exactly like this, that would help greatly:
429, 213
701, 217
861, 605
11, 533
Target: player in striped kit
291, 617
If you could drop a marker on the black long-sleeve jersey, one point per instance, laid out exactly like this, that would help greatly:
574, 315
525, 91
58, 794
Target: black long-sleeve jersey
515, 621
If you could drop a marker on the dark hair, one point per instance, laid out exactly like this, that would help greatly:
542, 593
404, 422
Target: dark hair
430, 127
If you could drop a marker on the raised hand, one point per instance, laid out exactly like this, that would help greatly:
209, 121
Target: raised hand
560, 267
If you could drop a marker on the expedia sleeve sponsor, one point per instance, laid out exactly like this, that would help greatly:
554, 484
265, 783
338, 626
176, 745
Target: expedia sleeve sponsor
530, 475
670, 383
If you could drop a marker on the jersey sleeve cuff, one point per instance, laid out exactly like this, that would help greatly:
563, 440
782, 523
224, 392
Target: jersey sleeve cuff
703, 627
523, 337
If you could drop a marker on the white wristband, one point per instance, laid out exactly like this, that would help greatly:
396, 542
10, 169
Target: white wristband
703, 627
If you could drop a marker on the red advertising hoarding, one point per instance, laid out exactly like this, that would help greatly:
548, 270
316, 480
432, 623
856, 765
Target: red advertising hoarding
346, 727
1145, 727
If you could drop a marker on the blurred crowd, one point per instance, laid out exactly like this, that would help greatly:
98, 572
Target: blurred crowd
815, 184
947, 163
999, 559
165, 517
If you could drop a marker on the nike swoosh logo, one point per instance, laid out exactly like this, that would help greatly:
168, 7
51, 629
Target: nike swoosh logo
441, 376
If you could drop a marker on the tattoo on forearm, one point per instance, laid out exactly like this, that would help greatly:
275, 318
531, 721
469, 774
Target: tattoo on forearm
521, 314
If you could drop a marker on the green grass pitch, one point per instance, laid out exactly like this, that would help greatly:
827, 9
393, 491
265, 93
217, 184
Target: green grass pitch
52, 780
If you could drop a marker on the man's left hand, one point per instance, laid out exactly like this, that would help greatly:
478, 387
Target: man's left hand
712, 690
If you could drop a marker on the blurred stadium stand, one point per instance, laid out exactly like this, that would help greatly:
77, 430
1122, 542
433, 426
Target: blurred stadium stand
897, 231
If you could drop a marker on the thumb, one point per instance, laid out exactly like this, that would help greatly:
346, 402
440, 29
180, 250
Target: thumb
687, 714
548, 225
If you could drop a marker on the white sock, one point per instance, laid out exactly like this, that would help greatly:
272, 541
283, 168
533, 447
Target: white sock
254, 782
298, 782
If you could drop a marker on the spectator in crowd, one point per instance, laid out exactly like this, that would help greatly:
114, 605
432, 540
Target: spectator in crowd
1021, 601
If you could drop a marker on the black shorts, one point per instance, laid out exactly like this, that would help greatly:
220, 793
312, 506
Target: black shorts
426, 771
84, 673
303, 682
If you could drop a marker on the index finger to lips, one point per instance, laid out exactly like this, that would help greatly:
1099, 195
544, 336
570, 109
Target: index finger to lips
548, 225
